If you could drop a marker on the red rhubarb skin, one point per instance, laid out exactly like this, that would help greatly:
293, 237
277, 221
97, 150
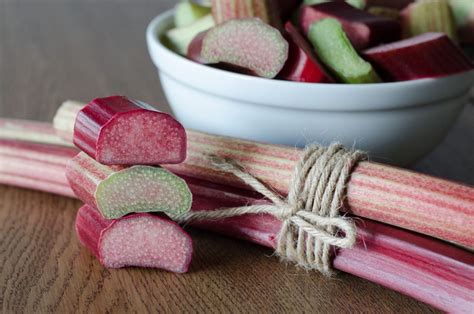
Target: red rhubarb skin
364, 30
302, 64
116, 130
94, 232
429, 55
427, 269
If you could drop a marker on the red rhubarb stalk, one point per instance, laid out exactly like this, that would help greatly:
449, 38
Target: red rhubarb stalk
117, 191
142, 240
382, 193
418, 57
363, 29
302, 64
120, 131
427, 269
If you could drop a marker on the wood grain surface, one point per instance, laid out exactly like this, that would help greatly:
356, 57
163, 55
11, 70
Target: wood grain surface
52, 50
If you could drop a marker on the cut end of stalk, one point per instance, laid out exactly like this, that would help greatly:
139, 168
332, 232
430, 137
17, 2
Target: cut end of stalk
141, 240
246, 43
118, 130
142, 189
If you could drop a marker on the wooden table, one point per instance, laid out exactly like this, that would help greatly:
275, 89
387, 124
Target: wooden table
56, 50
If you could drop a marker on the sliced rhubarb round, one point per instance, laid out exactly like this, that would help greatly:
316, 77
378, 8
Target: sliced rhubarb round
246, 43
141, 240
116, 192
119, 130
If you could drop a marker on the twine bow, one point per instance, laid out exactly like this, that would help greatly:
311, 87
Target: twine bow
311, 223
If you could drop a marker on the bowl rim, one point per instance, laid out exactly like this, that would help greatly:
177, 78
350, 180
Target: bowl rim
350, 90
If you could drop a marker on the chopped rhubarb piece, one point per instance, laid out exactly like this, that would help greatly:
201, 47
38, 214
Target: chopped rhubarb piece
186, 13
363, 29
178, 39
266, 10
118, 191
337, 53
302, 64
119, 130
142, 240
425, 56
426, 16
248, 44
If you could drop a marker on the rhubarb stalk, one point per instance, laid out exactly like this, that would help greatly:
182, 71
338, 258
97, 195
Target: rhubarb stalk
424, 268
399, 197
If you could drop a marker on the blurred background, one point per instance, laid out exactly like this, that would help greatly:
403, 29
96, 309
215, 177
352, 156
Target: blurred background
74, 49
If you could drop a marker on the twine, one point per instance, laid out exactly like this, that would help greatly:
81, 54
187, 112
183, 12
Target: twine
310, 217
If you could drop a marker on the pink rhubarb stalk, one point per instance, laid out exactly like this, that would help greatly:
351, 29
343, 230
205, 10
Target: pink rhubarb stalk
266, 10
302, 64
395, 196
364, 30
142, 240
419, 57
117, 191
120, 131
424, 268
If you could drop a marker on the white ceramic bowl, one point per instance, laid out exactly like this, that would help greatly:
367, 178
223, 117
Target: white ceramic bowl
394, 122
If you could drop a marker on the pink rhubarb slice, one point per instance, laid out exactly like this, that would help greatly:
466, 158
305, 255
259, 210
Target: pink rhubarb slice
142, 240
302, 64
363, 29
117, 191
119, 130
425, 56
247, 44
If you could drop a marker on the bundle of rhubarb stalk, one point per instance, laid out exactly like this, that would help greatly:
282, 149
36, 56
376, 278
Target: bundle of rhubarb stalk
327, 41
136, 168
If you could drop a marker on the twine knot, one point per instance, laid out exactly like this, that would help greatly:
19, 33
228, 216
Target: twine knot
310, 217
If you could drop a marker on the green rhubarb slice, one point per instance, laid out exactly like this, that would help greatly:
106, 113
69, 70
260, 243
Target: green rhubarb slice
337, 53
186, 13
141, 189
179, 38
